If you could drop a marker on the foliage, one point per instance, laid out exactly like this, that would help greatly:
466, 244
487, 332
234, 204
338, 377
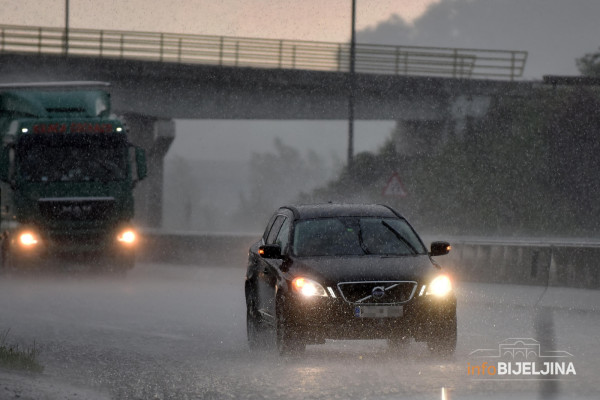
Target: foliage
589, 64
529, 167
277, 178
12, 356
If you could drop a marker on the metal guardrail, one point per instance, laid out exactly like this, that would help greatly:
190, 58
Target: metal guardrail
265, 53
525, 261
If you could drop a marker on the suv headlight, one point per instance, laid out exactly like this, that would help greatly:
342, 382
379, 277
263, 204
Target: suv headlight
439, 287
308, 287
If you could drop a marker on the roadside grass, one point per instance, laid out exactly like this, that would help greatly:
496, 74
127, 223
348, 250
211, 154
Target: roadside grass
14, 357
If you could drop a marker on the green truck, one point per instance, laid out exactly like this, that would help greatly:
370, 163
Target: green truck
67, 173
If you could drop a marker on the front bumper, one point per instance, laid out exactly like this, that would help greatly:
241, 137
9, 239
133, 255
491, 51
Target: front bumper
319, 318
69, 244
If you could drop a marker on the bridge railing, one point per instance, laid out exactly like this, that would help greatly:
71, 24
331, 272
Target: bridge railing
264, 53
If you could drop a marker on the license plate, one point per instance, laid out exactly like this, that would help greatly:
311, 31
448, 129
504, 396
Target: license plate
378, 311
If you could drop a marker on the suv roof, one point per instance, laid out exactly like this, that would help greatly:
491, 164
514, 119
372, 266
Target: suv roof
308, 211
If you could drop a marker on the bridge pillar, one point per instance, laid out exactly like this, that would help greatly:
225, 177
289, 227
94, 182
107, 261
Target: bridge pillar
428, 130
413, 136
155, 136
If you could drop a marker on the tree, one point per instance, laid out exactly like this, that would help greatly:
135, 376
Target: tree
278, 177
528, 167
589, 64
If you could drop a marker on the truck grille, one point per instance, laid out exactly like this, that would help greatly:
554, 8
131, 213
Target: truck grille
381, 292
77, 208
75, 239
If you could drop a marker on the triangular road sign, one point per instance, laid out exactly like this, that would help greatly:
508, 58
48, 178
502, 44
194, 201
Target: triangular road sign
394, 187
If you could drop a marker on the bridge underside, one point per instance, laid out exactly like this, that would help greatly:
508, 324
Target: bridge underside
149, 95
168, 90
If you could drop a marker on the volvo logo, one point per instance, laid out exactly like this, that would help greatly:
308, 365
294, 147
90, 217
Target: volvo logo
378, 292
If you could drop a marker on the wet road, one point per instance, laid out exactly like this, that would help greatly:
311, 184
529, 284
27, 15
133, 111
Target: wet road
176, 332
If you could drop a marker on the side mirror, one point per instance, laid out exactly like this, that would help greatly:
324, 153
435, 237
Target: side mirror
440, 248
140, 161
270, 251
5, 164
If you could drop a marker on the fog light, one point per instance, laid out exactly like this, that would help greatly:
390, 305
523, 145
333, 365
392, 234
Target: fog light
127, 237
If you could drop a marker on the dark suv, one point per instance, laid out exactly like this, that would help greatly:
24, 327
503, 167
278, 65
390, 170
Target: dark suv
346, 271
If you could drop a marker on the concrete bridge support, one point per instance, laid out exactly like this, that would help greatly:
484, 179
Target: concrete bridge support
426, 128
155, 136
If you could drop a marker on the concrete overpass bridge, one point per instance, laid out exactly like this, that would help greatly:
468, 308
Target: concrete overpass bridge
157, 77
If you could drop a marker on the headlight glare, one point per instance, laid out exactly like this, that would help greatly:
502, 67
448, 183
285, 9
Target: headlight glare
308, 288
440, 286
28, 239
128, 236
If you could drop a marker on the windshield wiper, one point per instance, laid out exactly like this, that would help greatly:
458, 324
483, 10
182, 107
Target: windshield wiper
361, 242
400, 237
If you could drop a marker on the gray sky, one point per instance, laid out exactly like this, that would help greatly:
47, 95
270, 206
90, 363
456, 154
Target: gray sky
554, 32
286, 19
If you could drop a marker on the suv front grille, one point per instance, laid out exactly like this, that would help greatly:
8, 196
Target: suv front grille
380, 292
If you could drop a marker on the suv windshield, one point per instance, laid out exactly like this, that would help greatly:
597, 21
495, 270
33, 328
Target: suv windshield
355, 236
70, 158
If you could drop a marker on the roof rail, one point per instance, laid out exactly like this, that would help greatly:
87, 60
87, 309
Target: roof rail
293, 209
392, 210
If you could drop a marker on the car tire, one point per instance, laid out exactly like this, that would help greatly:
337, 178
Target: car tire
287, 339
256, 331
443, 340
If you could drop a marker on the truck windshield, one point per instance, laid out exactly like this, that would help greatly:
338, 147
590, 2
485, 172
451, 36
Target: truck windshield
72, 158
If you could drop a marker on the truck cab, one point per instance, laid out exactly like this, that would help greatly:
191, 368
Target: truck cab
67, 173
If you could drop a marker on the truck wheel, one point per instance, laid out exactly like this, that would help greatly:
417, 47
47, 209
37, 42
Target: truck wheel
9, 261
4, 262
127, 261
122, 263
115, 264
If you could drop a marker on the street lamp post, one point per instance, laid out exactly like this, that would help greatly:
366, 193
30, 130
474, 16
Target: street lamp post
66, 42
352, 85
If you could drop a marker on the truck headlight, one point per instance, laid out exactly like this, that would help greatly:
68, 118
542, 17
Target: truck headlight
440, 286
28, 239
128, 237
308, 288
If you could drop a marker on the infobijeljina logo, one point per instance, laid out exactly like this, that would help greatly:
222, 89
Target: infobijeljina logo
520, 359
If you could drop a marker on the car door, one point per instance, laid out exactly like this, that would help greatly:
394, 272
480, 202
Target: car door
267, 273
282, 240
